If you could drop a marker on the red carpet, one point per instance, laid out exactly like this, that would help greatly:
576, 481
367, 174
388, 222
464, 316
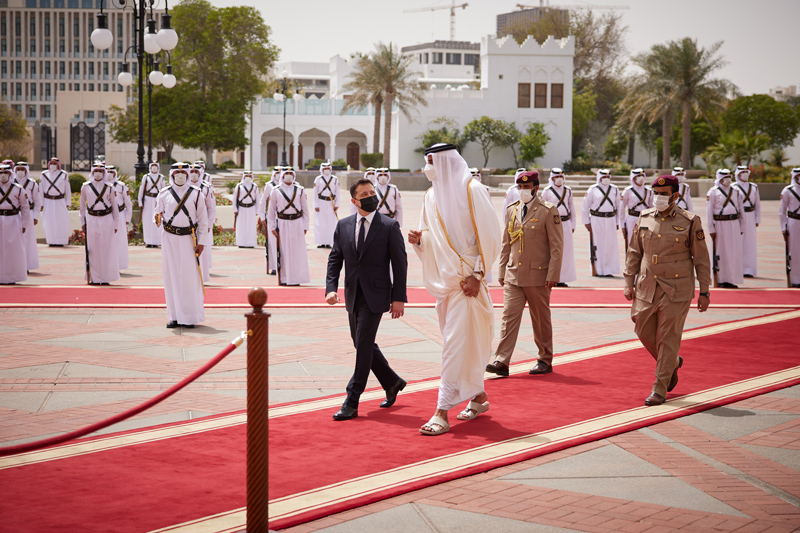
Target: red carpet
155, 478
127, 296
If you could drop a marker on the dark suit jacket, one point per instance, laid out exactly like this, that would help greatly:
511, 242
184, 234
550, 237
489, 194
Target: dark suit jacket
383, 245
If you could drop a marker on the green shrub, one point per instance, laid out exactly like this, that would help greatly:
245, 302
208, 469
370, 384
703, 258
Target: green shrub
339, 163
314, 164
230, 185
371, 160
227, 165
262, 179
76, 181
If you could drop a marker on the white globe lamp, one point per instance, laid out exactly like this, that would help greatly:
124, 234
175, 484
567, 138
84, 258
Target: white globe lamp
151, 39
125, 78
167, 37
169, 78
101, 37
156, 76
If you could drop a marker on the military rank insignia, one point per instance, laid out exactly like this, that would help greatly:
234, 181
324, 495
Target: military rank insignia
678, 228
700, 235
557, 219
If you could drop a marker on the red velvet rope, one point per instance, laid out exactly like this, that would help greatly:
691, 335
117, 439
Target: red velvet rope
97, 426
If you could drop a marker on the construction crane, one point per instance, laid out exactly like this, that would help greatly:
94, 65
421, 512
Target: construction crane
545, 4
452, 7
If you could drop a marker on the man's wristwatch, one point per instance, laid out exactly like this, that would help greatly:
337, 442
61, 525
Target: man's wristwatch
707, 294
478, 276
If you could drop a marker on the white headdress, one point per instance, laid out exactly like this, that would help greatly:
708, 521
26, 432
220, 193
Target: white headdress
721, 173
602, 173
450, 192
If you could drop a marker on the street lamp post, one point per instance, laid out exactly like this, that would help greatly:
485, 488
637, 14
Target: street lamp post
282, 97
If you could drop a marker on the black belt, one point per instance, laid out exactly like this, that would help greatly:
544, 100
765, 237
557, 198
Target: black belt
603, 214
326, 198
102, 213
564, 218
175, 230
290, 217
251, 204
749, 209
61, 197
151, 195
9, 212
121, 208
795, 216
727, 217
634, 213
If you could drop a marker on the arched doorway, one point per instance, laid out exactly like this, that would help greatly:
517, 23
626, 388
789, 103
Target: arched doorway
272, 154
353, 155
319, 151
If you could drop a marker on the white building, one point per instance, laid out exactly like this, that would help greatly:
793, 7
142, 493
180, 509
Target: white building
518, 83
443, 63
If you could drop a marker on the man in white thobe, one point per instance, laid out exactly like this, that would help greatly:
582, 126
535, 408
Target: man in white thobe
271, 246
635, 199
14, 215
148, 192
245, 211
22, 173
287, 220
512, 194
789, 213
599, 213
181, 213
389, 201
99, 216
56, 199
726, 226
206, 238
684, 200
369, 174
561, 195
458, 242
751, 211
125, 208
326, 206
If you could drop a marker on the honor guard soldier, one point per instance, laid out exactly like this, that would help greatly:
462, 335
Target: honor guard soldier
99, 216
685, 194
724, 208
245, 209
512, 194
287, 220
599, 213
389, 202
326, 206
475, 172
790, 226
182, 215
125, 208
635, 199
667, 249
22, 173
271, 245
148, 192
56, 199
530, 266
206, 238
14, 208
751, 213
559, 194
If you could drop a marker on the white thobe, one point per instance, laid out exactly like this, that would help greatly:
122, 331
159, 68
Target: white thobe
100, 237
326, 197
634, 199
13, 262
604, 229
512, 195
561, 197
206, 238
467, 323
684, 200
728, 241
293, 262
148, 192
790, 203
271, 259
245, 206
392, 207
751, 205
182, 288
125, 208
55, 211
35, 205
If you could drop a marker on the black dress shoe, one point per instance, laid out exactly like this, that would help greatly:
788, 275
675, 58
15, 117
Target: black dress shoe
654, 399
190, 326
726, 285
749, 276
172, 324
271, 272
674, 380
795, 286
391, 393
541, 368
561, 285
498, 367
346, 413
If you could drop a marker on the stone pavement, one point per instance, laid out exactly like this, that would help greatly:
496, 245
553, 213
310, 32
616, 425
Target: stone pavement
731, 468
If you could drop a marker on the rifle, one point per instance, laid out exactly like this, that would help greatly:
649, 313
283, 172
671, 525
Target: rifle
716, 258
86, 250
625, 237
788, 261
197, 259
592, 253
278, 247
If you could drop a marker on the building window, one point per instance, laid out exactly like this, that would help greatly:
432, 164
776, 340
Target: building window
58, 4
3, 47
47, 111
105, 87
76, 86
76, 27
62, 87
62, 69
47, 70
77, 69
33, 69
87, 4
19, 91
453, 59
472, 59
319, 151
33, 91
72, 4
523, 95
91, 70
30, 3
47, 93
18, 46
33, 25
540, 95
47, 48
19, 69
60, 23
557, 95
33, 47
32, 111
89, 116
3, 25
437, 58
4, 69
44, 3
91, 87
61, 48
105, 70
5, 90
18, 26
46, 23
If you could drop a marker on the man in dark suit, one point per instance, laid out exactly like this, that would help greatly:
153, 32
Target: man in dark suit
368, 243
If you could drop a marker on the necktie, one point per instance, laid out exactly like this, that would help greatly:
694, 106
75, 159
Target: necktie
360, 242
524, 211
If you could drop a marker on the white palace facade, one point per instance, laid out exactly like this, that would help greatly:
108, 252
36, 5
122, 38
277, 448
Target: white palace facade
516, 83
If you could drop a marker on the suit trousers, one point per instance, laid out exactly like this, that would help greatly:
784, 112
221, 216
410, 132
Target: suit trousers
538, 298
363, 329
659, 326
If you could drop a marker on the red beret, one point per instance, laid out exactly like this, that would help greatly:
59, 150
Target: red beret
665, 181
531, 176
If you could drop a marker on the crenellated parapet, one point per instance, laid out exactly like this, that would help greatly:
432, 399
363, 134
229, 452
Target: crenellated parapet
508, 46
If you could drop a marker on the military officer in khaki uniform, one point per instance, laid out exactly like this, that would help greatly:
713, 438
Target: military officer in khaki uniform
667, 248
530, 266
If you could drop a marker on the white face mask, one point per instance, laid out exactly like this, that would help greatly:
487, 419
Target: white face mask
725, 182
430, 172
153, 170
681, 177
288, 179
112, 177
98, 176
744, 176
21, 174
326, 172
638, 181
179, 179
383, 180
194, 176
558, 182
526, 195
4, 178
53, 168
662, 202
605, 181
248, 180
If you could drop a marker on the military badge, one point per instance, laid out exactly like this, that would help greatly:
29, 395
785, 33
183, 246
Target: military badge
678, 228
557, 219
661, 181
700, 235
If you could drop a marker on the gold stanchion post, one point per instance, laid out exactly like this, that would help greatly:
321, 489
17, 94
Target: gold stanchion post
257, 413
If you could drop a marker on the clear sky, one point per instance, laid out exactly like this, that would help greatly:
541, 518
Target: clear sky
762, 37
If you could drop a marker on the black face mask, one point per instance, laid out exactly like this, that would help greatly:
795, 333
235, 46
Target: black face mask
369, 204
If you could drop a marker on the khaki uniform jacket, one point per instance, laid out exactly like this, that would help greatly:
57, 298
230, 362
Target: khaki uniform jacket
666, 251
542, 243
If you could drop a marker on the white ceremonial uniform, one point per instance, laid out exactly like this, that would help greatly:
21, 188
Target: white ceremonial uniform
789, 214
99, 213
56, 198
125, 208
35, 205
288, 212
206, 238
182, 288
245, 206
684, 201
600, 209
148, 192
635, 199
512, 195
561, 197
14, 214
389, 202
751, 205
263, 207
726, 202
326, 197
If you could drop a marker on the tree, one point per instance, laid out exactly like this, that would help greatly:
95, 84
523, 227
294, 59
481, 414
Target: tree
616, 143
533, 142
15, 142
447, 133
584, 109
486, 131
761, 114
509, 138
737, 146
367, 88
703, 136
777, 157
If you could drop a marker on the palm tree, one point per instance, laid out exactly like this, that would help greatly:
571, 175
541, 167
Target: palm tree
366, 89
